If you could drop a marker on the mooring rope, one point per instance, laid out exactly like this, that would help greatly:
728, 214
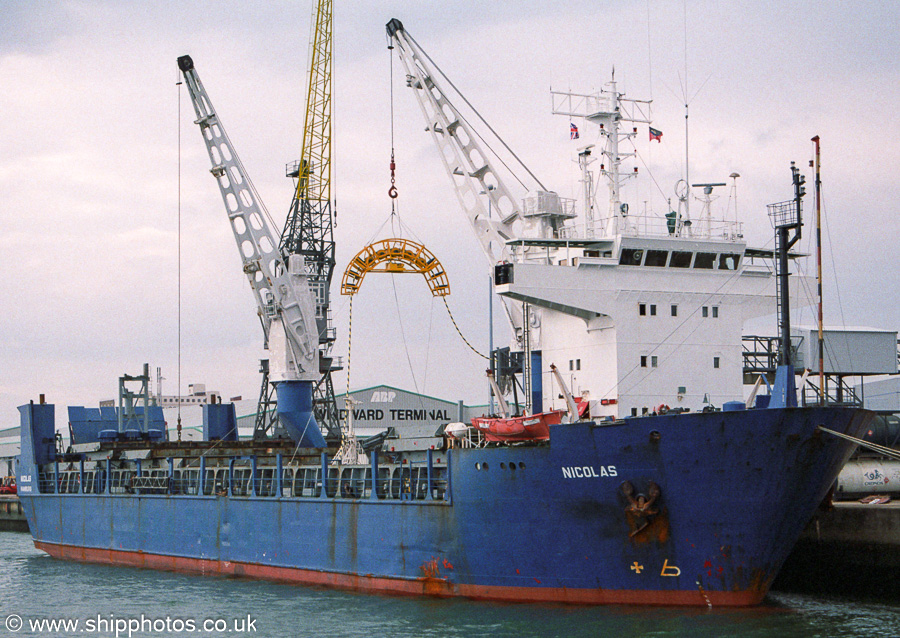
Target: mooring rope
872, 446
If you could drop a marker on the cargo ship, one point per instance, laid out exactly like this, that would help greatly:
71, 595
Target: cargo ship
662, 484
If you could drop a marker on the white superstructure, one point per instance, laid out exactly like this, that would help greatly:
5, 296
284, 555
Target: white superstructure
635, 322
639, 311
635, 311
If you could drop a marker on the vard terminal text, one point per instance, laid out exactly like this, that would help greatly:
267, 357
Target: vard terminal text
397, 414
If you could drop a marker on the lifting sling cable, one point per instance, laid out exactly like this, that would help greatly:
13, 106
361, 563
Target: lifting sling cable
412, 372
399, 256
428, 344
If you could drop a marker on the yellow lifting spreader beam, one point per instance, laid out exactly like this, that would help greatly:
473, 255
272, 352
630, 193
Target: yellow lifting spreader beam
396, 256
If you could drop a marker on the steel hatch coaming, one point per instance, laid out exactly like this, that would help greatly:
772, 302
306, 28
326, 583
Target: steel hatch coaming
523, 529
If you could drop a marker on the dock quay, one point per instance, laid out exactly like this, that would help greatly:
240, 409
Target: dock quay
849, 548
12, 519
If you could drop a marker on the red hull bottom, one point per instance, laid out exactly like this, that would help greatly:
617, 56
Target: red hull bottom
435, 587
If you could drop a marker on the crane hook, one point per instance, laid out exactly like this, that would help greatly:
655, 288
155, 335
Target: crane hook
392, 191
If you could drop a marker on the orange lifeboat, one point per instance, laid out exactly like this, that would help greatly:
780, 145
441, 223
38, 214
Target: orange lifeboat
534, 427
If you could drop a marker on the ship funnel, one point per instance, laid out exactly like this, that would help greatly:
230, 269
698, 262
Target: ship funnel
295, 411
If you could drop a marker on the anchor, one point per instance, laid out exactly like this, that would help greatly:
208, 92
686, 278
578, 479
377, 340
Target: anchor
640, 506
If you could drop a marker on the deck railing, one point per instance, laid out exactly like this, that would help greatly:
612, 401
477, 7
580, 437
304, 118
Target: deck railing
242, 477
655, 226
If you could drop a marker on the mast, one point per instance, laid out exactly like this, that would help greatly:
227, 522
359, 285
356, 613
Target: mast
587, 189
787, 217
822, 395
607, 109
687, 162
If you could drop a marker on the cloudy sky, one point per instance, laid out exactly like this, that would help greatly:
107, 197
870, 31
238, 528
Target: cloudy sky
90, 140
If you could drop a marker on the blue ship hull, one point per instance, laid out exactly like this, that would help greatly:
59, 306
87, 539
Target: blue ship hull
545, 522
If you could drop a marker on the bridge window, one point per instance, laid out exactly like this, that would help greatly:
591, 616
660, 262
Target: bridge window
631, 257
674, 310
642, 309
705, 260
681, 259
729, 261
657, 258
715, 362
643, 361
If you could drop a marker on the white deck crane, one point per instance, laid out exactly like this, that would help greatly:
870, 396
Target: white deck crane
286, 304
473, 168
473, 172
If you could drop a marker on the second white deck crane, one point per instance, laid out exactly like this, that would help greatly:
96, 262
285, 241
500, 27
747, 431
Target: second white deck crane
475, 170
286, 304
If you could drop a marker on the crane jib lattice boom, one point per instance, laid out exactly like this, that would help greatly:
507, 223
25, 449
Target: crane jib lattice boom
464, 159
477, 172
282, 293
314, 183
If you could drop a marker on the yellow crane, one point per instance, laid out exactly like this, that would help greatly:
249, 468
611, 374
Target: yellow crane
308, 229
314, 167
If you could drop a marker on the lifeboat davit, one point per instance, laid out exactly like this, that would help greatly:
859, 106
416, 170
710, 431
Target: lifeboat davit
531, 427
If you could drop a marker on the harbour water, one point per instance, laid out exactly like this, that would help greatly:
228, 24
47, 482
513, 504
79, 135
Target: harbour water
120, 601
